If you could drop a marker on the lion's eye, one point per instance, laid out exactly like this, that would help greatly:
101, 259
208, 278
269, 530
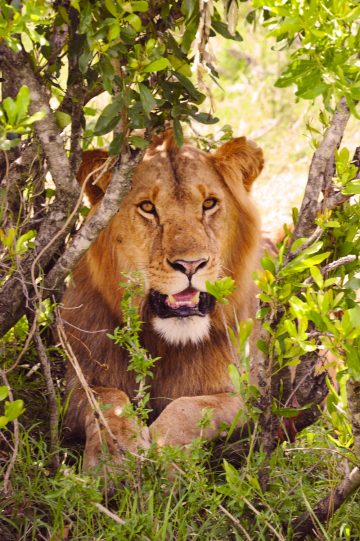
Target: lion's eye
148, 207
210, 203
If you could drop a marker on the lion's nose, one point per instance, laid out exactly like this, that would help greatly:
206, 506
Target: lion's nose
188, 267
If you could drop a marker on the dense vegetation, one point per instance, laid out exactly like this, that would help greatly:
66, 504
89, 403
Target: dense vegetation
78, 74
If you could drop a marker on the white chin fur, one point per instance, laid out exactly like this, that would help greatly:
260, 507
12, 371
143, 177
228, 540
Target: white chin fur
181, 330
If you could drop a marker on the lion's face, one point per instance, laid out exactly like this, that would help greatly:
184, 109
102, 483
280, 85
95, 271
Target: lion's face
177, 226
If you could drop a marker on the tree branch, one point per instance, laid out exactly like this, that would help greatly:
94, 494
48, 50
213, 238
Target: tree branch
116, 191
318, 170
13, 300
18, 66
325, 508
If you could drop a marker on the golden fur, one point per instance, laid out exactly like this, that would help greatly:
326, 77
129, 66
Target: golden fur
192, 373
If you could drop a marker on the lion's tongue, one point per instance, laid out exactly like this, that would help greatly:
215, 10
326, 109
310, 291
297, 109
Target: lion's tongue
188, 297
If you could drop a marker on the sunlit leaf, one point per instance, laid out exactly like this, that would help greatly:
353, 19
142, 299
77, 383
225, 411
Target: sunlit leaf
157, 65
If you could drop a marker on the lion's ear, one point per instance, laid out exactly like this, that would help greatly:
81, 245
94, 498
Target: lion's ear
239, 159
92, 161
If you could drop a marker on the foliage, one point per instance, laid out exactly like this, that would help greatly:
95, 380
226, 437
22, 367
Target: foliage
325, 38
14, 119
140, 53
220, 289
128, 337
12, 410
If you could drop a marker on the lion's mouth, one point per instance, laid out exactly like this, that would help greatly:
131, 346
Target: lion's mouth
189, 302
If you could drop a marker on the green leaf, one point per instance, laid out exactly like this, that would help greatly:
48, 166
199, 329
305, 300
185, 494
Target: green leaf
4, 392
190, 33
354, 314
114, 32
135, 22
245, 329
106, 124
290, 327
147, 100
204, 118
62, 119
235, 376
178, 132
220, 289
140, 5
305, 260
222, 29
332, 224
190, 88
110, 116
189, 8
9, 238
354, 283
14, 409
262, 346
138, 142
289, 412
299, 307
116, 144
352, 188
64, 14
317, 276
10, 109
290, 26
3, 421
33, 118
353, 362
312, 92
22, 103
111, 7
27, 42
299, 242
23, 243
157, 65
268, 264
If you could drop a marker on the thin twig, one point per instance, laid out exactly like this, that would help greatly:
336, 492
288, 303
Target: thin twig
332, 266
108, 513
313, 238
236, 522
270, 526
54, 414
338, 263
87, 389
25, 347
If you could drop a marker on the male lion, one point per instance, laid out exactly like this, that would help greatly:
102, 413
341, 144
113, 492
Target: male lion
188, 218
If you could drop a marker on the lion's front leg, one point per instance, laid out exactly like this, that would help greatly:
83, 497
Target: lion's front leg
180, 422
120, 432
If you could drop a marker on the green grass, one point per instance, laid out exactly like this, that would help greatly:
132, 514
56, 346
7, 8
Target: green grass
198, 500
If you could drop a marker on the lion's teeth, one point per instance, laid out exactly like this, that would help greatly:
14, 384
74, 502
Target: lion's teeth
196, 298
171, 300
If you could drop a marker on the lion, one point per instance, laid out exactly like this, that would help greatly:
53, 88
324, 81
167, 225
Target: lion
188, 219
